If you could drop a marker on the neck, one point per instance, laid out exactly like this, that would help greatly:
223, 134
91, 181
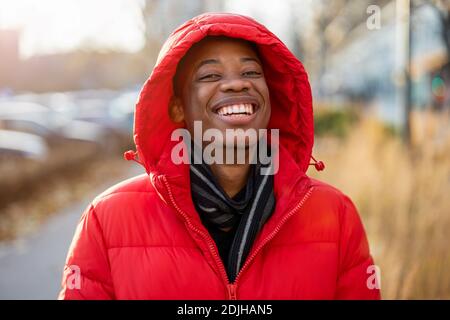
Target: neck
231, 177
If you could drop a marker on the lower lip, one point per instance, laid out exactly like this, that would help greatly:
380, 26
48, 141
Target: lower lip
241, 119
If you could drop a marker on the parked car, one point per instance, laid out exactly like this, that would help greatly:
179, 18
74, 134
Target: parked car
55, 124
22, 144
29, 117
121, 110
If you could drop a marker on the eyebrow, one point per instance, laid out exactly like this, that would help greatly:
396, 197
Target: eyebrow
207, 61
215, 61
246, 59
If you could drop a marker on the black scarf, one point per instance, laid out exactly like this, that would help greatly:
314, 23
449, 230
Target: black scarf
245, 213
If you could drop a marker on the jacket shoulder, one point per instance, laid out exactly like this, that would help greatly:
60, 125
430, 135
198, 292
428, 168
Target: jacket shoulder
130, 193
327, 190
137, 184
123, 205
330, 199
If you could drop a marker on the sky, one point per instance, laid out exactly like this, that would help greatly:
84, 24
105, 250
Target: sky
50, 26
278, 16
277, 26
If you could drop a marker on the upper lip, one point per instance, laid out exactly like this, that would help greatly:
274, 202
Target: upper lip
228, 101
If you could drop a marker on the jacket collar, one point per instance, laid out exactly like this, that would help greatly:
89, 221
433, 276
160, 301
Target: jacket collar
172, 182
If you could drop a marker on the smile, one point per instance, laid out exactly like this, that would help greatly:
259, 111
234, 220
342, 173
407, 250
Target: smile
237, 110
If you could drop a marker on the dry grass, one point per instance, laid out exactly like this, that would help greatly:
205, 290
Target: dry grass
19, 218
403, 198
31, 191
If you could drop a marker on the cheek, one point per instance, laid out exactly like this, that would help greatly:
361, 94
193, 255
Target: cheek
198, 100
263, 89
205, 92
268, 112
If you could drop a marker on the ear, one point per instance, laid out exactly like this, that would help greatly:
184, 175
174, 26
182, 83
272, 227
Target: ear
176, 112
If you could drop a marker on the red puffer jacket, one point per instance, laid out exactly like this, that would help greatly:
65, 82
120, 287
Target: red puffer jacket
143, 239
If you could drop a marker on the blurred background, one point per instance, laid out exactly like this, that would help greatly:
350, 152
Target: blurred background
71, 70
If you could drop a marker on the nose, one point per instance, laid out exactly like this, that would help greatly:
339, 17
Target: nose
235, 84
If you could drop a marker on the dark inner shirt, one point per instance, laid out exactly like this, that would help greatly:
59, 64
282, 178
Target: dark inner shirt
224, 239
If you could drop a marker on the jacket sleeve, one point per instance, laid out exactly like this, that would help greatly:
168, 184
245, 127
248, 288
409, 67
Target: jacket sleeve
87, 272
357, 274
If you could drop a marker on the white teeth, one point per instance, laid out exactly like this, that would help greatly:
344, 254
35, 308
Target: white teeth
246, 108
249, 108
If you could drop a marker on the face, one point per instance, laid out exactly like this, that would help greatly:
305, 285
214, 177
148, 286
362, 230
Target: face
220, 82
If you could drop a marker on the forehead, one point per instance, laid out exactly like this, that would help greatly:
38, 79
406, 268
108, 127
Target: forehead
212, 47
216, 48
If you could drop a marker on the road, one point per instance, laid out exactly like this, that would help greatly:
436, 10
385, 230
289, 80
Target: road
31, 267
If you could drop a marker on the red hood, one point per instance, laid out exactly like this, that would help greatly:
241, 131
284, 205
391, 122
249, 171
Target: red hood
290, 92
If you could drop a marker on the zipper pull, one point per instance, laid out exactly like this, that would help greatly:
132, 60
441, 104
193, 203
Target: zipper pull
231, 291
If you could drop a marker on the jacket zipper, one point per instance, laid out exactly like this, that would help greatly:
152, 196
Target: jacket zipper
232, 287
203, 234
274, 232
231, 291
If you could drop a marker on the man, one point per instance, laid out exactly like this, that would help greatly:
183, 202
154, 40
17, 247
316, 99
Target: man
202, 229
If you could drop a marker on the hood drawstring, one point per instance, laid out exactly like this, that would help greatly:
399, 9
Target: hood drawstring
131, 155
319, 165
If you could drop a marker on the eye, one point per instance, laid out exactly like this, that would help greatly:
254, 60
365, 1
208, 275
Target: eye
252, 73
209, 77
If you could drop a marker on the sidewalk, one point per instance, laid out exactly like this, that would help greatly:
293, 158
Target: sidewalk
31, 268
